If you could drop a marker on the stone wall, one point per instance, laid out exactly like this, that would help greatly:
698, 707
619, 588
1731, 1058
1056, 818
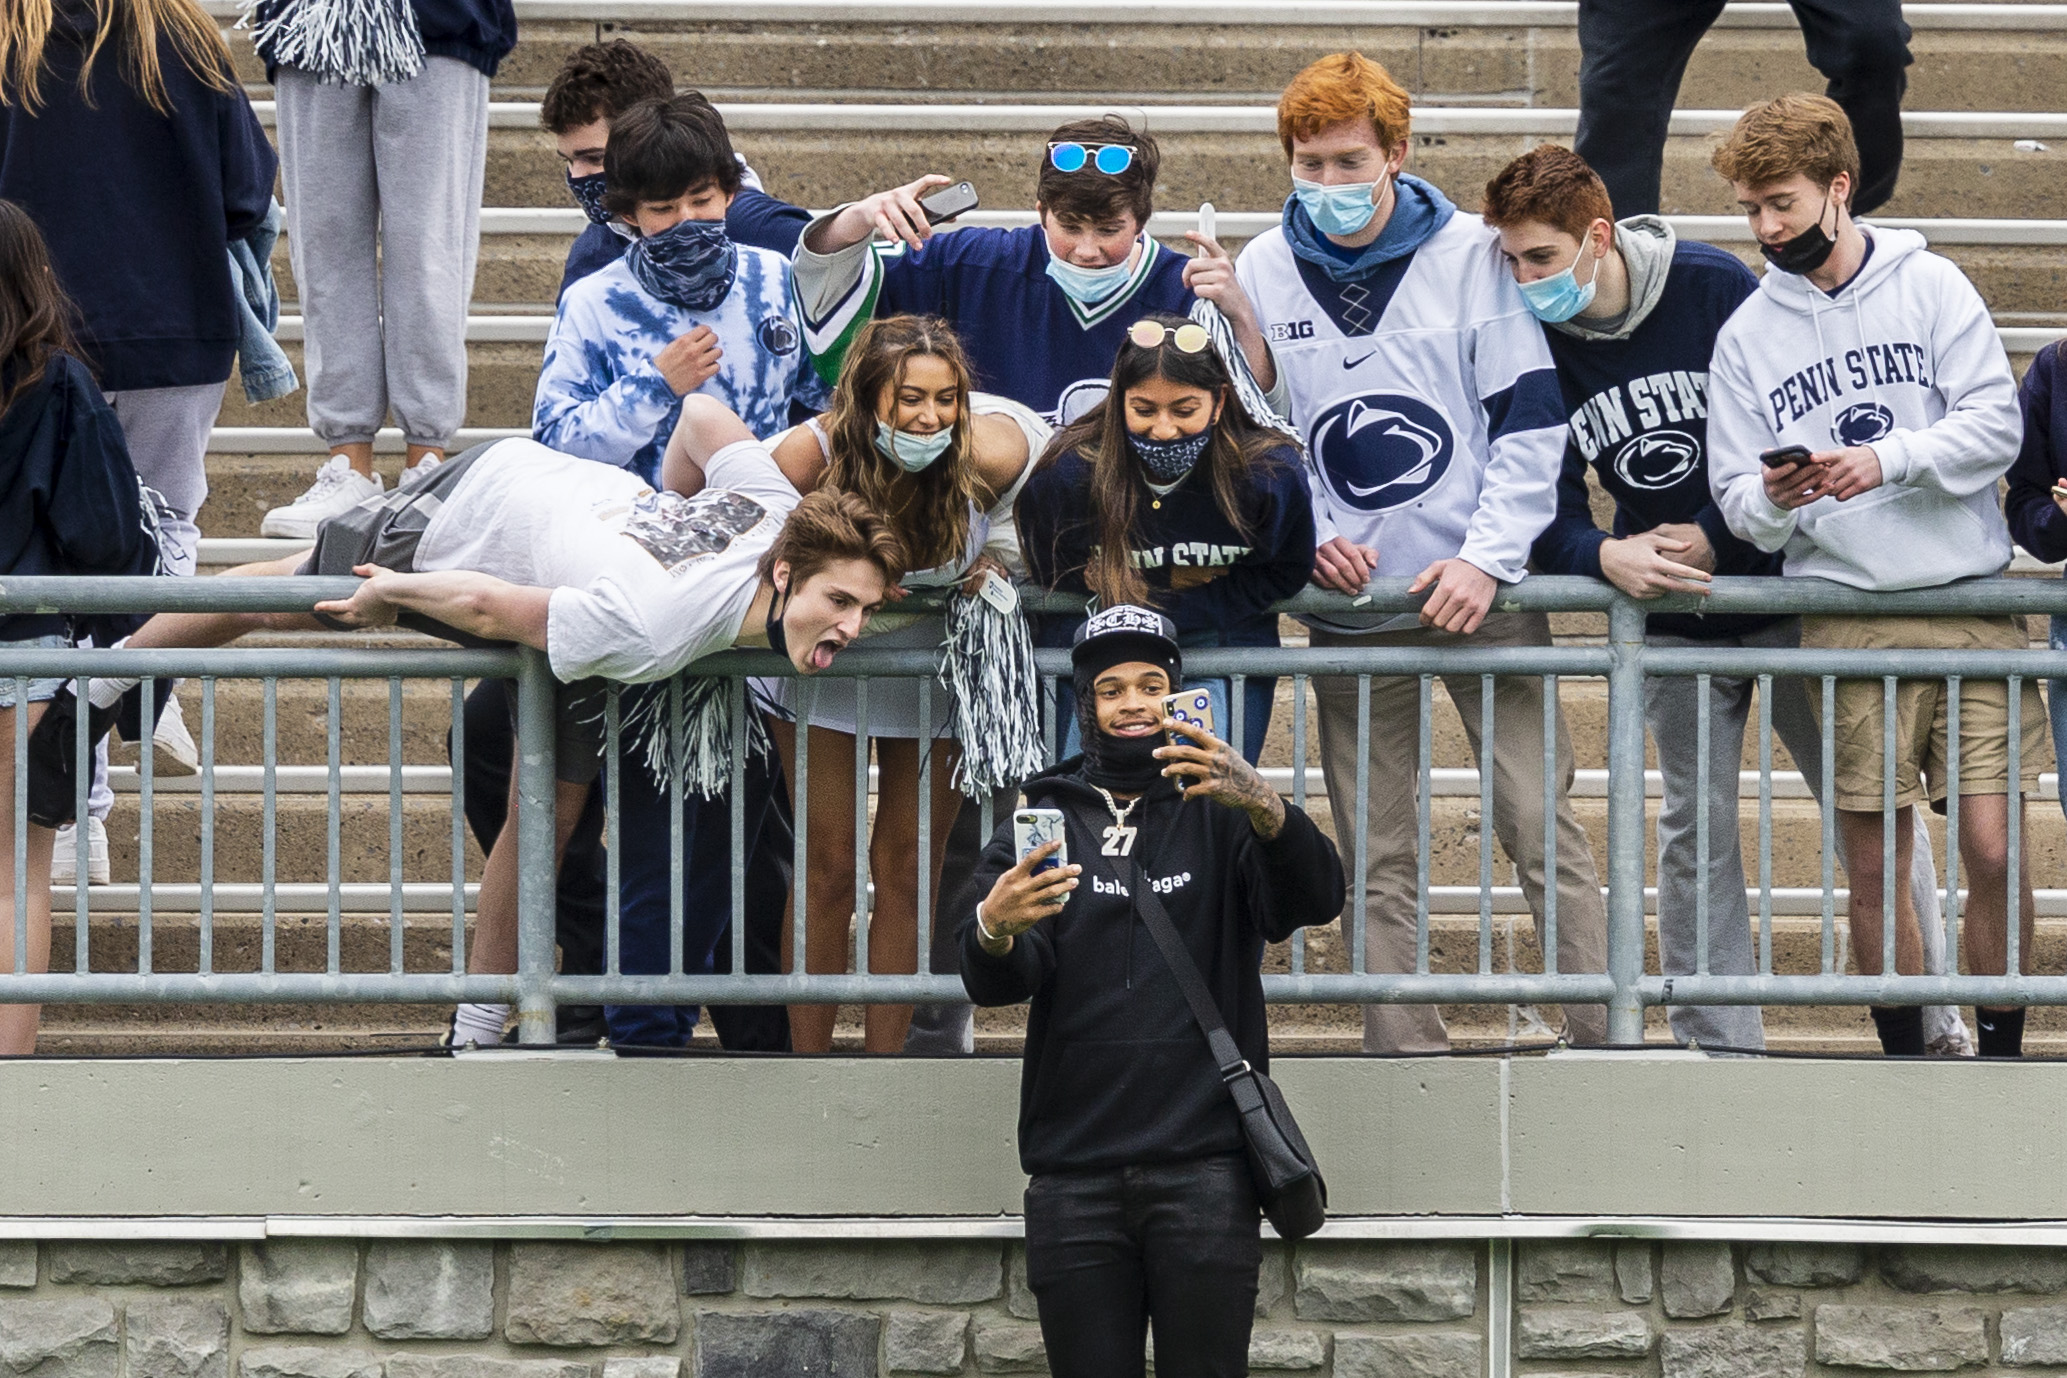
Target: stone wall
308, 1308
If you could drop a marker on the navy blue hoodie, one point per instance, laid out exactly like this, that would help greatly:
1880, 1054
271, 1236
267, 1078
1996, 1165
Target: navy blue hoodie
1638, 409
2036, 521
68, 494
1116, 1069
479, 33
139, 208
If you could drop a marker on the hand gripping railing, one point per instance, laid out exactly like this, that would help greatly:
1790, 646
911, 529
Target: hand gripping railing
1623, 662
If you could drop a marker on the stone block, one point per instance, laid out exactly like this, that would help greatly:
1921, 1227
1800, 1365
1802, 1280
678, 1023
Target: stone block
2034, 1335
710, 1268
1408, 1356
430, 1290
1761, 1304
643, 1366
172, 1337
1635, 1281
1386, 1282
934, 1273
924, 1341
1571, 1333
1019, 1298
1732, 1351
1580, 1270
1294, 1351
297, 1286
1906, 1338
1003, 1347
122, 1263
304, 1361
480, 1366
1958, 1268
1806, 1265
1696, 1278
1273, 1279
17, 1263
59, 1337
591, 1294
785, 1344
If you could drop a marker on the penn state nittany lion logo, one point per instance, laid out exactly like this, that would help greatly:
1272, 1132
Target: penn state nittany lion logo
1657, 459
1382, 450
777, 335
1862, 423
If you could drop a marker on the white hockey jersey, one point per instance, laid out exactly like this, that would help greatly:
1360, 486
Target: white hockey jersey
1426, 395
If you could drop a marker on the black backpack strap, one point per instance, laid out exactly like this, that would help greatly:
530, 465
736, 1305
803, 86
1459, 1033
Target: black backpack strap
1156, 919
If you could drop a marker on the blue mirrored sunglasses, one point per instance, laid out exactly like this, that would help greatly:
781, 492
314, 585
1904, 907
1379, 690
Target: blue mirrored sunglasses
1110, 159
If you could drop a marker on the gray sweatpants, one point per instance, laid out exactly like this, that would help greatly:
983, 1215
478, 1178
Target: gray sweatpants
1672, 708
166, 430
383, 191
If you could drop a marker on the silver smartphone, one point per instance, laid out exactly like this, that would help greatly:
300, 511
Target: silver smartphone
1034, 828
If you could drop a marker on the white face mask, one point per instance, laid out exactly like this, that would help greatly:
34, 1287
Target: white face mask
912, 452
1088, 286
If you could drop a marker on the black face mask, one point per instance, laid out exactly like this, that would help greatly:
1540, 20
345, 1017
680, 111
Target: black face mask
1804, 253
777, 641
1127, 764
588, 192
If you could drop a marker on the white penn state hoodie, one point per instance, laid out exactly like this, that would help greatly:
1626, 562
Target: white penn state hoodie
1905, 359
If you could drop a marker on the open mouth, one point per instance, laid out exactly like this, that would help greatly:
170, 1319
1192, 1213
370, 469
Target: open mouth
822, 654
1136, 729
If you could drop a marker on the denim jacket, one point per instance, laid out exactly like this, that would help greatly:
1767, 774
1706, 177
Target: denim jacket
263, 364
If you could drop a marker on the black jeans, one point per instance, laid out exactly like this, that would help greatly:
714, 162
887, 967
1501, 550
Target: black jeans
1175, 1245
1634, 52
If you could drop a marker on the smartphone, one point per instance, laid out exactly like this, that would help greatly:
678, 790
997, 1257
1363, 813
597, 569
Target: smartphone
1034, 828
948, 202
1786, 454
1193, 706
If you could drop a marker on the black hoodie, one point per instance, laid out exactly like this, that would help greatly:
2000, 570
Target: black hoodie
1116, 1070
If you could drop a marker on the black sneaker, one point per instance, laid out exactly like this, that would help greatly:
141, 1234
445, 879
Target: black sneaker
53, 788
580, 1026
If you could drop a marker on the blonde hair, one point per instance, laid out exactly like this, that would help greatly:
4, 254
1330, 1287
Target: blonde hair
133, 28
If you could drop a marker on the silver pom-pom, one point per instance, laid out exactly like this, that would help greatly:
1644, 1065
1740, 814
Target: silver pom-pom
686, 734
989, 669
353, 42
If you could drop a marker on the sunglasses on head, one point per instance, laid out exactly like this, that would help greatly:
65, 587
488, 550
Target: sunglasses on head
1110, 159
1190, 338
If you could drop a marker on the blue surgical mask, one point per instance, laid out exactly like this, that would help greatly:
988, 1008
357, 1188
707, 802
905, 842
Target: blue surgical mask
1088, 286
690, 264
588, 191
1343, 209
912, 452
1560, 296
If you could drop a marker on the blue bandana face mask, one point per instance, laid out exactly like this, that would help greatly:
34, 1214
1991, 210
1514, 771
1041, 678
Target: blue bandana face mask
588, 193
690, 264
1088, 286
912, 452
1170, 460
1560, 296
1343, 209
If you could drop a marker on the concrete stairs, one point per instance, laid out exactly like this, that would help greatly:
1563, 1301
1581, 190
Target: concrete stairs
832, 100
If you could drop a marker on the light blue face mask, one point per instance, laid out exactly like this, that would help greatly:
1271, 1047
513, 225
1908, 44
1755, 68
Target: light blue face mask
913, 453
1342, 209
1088, 286
1560, 296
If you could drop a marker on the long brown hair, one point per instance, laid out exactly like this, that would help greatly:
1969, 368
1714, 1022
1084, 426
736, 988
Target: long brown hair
930, 509
1238, 454
133, 27
35, 314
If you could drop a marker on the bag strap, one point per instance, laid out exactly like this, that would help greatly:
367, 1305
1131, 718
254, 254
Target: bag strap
1226, 1054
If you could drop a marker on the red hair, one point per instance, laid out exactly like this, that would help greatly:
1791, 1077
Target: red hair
1339, 88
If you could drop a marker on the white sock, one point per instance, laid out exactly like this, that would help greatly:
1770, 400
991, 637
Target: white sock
480, 1024
106, 693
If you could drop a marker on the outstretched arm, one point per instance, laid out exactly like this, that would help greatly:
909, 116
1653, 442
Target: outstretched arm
707, 426
478, 604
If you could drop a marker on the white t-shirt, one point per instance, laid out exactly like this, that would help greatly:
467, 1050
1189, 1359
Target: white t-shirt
643, 582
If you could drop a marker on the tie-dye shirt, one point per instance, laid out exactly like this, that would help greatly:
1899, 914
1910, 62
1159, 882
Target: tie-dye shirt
600, 395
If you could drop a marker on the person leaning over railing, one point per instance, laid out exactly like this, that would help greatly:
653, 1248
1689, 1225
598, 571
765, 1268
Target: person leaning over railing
1141, 1210
512, 542
906, 433
1633, 313
1169, 494
2036, 502
69, 504
1880, 359
1435, 429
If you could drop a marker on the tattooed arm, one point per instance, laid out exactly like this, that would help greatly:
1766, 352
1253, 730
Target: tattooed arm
1217, 771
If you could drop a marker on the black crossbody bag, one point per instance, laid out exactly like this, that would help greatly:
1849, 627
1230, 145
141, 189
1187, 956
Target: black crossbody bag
1288, 1180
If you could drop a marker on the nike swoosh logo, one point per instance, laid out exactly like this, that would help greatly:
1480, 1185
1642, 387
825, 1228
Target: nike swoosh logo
1352, 363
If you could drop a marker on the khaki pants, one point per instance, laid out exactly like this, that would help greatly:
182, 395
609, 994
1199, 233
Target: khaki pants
1517, 765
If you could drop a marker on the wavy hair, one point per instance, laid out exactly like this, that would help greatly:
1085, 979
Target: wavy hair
35, 313
930, 509
132, 28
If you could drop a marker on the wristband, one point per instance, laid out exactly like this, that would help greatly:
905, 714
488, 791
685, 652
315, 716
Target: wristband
983, 928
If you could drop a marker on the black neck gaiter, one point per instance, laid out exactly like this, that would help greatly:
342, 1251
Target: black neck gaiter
1126, 764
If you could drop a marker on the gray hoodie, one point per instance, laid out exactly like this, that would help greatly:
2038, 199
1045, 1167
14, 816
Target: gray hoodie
1645, 243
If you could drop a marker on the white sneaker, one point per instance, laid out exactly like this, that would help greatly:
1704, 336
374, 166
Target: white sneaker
64, 859
418, 472
172, 747
338, 488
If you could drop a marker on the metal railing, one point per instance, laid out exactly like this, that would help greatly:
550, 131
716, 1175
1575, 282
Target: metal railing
1622, 661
